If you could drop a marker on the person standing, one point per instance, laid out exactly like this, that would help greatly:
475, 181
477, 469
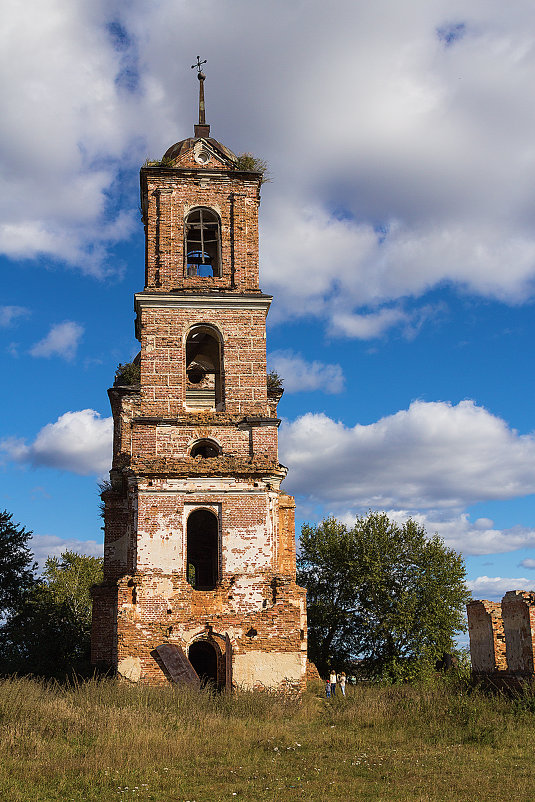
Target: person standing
332, 680
342, 682
328, 689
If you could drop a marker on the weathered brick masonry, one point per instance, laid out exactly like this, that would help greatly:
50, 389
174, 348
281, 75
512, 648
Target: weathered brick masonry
199, 539
502, 637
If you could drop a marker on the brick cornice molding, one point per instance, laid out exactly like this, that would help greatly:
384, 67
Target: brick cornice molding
219, 302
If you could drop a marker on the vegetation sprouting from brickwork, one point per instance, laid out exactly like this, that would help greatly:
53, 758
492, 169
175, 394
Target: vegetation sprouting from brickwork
164, 162
249, 163
127, 374
275, 383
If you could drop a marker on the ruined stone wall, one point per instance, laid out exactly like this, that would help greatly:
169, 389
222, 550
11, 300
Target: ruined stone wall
502, 636
487, 638
518, 611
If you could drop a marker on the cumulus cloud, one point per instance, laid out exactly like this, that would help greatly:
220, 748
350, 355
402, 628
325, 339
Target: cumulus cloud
528, 563
459, 532
44, 546
302, 376
66, 126
367, 326
11, 314
494, 588
471, 537
80, 442
62, 340
434, 455
428, 179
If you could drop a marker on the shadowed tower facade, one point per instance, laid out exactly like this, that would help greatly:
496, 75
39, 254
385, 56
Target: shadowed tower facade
199, 553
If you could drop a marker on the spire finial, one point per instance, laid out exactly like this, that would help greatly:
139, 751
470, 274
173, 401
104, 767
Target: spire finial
201, 130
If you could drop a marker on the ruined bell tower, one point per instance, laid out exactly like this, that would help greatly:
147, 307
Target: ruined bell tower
199, 550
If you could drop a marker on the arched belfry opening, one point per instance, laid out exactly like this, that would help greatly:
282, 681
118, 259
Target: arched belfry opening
202, 559
204, 384
202, 238
203, 656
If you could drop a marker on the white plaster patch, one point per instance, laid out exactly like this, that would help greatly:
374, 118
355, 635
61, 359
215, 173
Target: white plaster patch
247, 550
130, 668
247, 594
163, 550
267, 669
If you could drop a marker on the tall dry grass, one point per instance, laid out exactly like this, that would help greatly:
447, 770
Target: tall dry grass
101, 740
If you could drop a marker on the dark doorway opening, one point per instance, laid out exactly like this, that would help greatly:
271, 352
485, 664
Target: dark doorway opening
203, 657
202, 550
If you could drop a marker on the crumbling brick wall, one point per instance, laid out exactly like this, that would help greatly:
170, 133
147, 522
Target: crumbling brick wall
502, 639
487, 638
518, 611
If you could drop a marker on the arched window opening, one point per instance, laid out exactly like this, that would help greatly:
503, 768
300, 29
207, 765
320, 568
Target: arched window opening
202, 560
203, 243
203, 657
203, 370
205, 449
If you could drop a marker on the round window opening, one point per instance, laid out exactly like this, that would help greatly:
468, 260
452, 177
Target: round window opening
205, 449
196, 375
201, 155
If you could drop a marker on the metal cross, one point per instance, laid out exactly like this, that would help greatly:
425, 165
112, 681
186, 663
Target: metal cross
199, 64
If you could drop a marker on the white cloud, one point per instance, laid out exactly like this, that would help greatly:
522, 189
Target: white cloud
367, 326
431, 456
44, 546
528, 563
80, 442
62, 340
407, 164
11, 314
460, 533
471, 537
66, 125
301, 376
495, 587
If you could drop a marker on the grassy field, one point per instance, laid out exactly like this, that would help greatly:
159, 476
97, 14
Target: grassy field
103, 741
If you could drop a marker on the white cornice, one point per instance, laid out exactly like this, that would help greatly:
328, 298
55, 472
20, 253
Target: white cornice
144, 300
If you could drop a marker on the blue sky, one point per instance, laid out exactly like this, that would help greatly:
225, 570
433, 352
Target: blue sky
397, 240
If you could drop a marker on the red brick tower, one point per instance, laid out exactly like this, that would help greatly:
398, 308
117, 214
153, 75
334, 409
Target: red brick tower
199, 553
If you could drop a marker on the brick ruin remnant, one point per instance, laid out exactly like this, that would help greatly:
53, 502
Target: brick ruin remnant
199, 546
502, 637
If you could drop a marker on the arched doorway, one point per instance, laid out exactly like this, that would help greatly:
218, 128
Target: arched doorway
202, 565
203, 657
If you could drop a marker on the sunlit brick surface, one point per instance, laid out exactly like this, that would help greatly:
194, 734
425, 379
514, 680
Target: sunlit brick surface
254, 614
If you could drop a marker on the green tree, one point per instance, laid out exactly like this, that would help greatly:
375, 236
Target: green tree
16, 563
380, 592
49, 634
